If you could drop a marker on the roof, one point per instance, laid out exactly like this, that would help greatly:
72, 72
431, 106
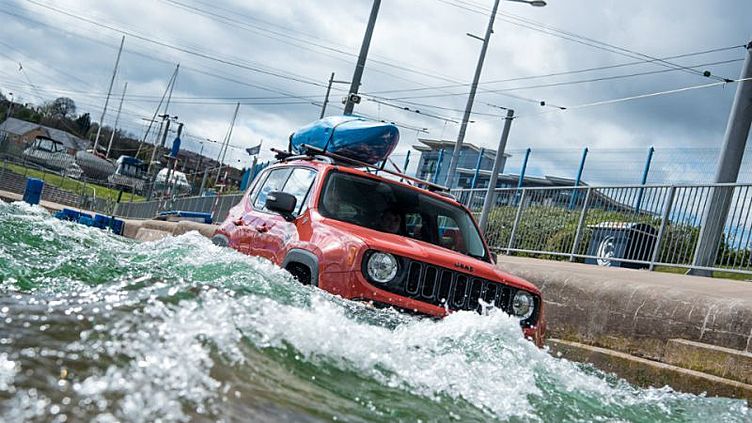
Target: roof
431, 144
545, 180
21, 127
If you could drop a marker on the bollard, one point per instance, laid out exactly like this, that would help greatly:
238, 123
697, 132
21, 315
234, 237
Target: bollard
33, 192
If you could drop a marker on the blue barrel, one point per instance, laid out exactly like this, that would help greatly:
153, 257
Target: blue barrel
102, 221
33, 192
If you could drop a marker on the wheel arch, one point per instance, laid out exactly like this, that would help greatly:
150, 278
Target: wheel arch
305, 258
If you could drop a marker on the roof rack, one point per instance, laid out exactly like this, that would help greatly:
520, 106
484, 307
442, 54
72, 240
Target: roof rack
310, 152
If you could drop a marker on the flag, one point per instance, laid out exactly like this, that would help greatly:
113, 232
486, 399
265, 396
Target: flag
253, 150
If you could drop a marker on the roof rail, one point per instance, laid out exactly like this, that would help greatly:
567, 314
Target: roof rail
314, 152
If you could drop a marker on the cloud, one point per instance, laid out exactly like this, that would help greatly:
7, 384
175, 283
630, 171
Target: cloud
285, 51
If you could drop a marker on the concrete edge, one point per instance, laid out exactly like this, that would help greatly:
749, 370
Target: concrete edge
647, 373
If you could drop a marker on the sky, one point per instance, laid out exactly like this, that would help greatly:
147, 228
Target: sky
275, 58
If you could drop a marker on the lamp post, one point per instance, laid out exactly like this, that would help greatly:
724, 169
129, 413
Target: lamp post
474, 86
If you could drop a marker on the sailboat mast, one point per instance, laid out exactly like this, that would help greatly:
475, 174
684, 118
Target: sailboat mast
109, 92
117, 119
223, 149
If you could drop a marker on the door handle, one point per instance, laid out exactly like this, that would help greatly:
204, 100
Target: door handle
239, 222
262, 228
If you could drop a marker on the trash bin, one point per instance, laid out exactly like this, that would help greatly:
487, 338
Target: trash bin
33, 192
610, 241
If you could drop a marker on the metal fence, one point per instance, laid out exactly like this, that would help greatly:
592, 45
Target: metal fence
628, 226
217, 205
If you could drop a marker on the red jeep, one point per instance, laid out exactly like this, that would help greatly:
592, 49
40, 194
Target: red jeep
360, 235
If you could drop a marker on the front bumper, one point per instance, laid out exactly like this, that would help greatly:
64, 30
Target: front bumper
353, 285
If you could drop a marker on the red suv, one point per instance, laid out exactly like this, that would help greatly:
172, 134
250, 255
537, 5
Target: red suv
361, 235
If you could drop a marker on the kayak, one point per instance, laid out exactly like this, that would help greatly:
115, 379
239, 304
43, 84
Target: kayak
350, 136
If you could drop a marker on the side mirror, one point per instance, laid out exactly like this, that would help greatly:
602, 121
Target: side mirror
282, 203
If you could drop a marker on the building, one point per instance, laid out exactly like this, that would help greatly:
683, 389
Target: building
435, 156
17, 134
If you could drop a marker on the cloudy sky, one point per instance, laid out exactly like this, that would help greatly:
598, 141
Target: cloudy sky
275, 58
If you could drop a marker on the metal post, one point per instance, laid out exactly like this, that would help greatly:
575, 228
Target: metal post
450, 183
517, 218
573, 199
407, 162
727, 170
355, 84
109, 91
477, 168
438, 166
578, 234
488, 202
471, 95
662, 230
644, 180
326, 98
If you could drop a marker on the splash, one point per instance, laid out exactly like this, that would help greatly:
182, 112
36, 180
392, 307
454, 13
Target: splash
101, 328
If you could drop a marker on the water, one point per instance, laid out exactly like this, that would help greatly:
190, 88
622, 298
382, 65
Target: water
98, 328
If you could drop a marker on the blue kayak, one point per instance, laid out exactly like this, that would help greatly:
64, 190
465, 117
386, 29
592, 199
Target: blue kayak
350, 136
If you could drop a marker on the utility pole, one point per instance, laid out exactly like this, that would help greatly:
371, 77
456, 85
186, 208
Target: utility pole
166, 122
117, 119
109, 92
490, 199
226, 144
471, 97
727, 171
355, 84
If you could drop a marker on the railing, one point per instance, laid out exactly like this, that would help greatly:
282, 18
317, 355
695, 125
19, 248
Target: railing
218, 206
628, 226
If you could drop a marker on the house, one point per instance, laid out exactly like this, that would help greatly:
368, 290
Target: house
435, 156
17, 134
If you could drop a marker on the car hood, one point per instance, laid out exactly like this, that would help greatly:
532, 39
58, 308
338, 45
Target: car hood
432, 254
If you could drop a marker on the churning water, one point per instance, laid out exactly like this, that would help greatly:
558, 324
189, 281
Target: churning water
97, 327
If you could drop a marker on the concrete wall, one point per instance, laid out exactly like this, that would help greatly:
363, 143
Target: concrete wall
687, 322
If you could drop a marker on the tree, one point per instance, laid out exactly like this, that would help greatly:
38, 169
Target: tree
60, 107
64, 106
83, 124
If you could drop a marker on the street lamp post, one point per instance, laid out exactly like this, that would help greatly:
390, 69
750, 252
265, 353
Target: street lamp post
474, 86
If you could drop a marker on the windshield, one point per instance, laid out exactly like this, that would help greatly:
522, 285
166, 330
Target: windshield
388, 207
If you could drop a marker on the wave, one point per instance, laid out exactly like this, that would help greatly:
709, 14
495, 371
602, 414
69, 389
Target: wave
97, 327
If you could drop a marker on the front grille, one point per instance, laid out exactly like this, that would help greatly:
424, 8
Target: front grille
448, 288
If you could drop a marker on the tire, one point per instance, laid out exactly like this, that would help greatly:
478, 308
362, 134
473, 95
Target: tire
300, 272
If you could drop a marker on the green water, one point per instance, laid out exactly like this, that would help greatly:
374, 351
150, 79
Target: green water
94, 327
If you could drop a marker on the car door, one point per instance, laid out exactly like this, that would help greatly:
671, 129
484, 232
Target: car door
249, 225
273, 230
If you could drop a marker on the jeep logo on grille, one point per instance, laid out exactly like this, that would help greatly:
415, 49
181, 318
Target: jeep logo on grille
463, 266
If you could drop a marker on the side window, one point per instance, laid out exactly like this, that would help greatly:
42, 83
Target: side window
298, 185
274, 182
258, 181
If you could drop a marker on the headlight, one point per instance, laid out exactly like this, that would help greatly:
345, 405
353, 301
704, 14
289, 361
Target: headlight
523, 305
382, 267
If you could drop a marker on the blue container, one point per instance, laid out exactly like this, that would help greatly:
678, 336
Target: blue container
117, 226
178, 215
85, 219
68, 214
102, 221
33, 192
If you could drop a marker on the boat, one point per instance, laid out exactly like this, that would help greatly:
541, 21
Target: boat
53, 155
349, 136
130, 174
94, 165
178, 182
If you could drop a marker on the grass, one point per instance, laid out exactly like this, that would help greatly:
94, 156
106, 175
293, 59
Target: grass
70, 184
715, 273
